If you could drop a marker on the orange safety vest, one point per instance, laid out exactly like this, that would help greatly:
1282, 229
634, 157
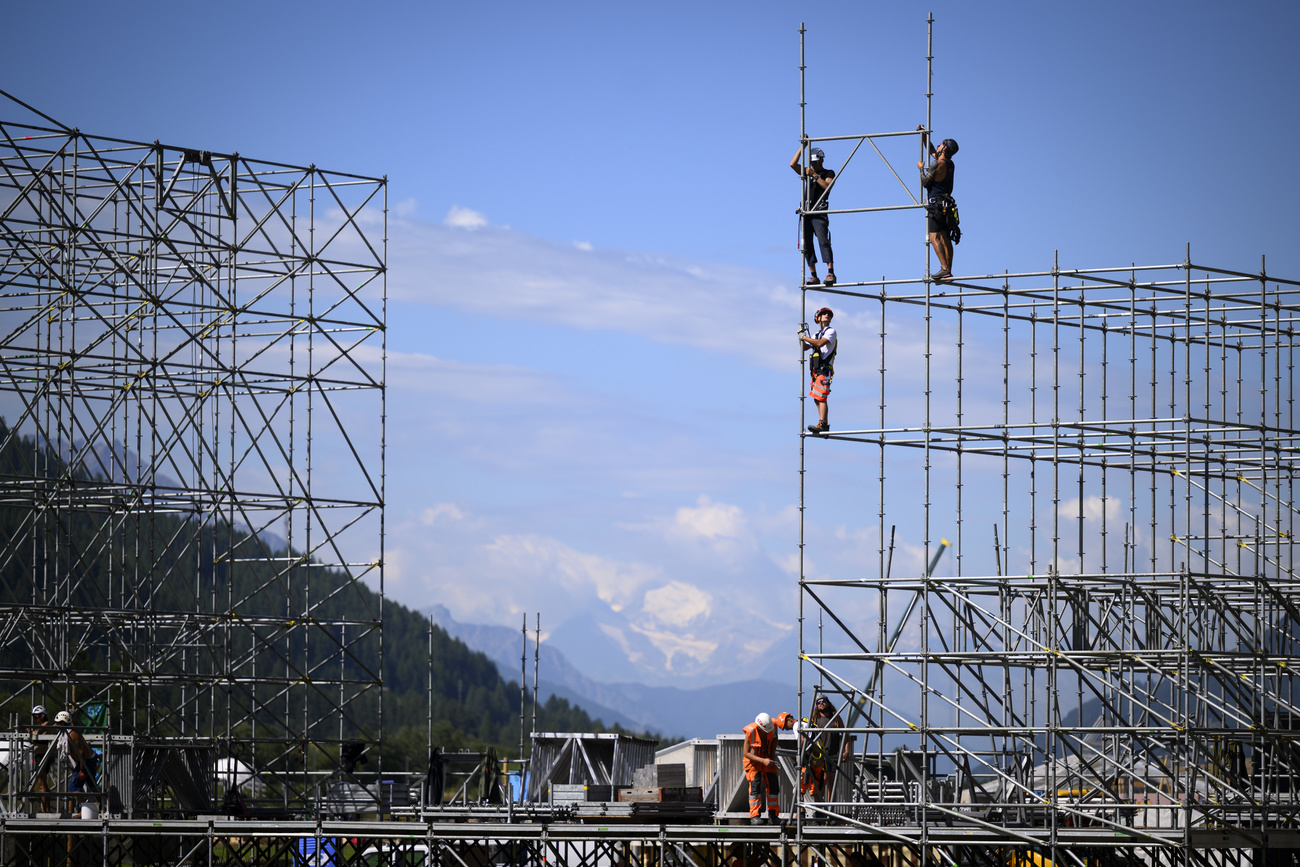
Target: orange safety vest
761, 744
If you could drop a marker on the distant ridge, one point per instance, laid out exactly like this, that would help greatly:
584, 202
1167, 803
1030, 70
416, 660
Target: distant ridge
690, 713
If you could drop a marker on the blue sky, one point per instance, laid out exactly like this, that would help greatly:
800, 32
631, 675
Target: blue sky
593, 277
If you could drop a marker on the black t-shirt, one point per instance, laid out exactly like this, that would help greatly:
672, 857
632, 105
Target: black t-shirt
817, 198
943, 187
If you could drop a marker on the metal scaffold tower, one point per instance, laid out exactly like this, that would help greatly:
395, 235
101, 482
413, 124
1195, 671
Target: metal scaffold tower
1103, 668
191, 461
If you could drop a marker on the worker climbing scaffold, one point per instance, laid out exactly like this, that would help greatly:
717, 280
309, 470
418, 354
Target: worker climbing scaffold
821, 365
942, 221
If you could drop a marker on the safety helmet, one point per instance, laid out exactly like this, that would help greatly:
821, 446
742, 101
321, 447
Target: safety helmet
38, 710
816, 155
785, 720
63, 717
828, 311
950, 145
764, 722
822, 699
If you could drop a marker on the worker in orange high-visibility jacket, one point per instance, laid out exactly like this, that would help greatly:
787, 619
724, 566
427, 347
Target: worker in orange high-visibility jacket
761, 769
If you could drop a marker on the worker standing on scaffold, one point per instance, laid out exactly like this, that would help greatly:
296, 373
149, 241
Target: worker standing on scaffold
817, 188
759, 760
941, 210
75, 754
825, 751
821, 365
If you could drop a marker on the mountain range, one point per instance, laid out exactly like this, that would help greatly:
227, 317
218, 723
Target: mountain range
676, 711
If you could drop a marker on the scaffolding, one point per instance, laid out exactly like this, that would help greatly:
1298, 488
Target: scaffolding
192, 483
1098, 674
1102, 669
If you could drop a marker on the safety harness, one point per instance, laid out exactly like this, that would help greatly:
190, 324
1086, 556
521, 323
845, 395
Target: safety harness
823, 365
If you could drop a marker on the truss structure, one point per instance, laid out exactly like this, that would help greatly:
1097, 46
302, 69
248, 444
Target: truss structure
584, 759
192, 453
1111, 645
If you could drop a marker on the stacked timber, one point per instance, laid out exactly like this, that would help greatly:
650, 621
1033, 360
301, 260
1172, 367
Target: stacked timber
662, 795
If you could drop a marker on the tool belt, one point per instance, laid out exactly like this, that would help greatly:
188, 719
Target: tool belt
943, 210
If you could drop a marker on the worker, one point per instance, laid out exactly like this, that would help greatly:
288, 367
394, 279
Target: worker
816, 197
76, 754
40, 725
761, 769
823, 751
821, 365
941, 210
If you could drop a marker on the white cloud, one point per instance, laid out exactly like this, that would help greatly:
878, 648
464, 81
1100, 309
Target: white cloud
464, 218
499, 385
677, 604
789, 563
672, 644
585, 246
1093, 508
448, 511
715, 533
698, 624
534, 427
757, 646
497, 272
547, 562
710, 520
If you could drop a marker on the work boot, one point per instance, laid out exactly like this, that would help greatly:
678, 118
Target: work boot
758, 820
820, 428
830, 278
814, 280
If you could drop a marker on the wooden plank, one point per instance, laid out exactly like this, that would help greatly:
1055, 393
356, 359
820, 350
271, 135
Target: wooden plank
674, 794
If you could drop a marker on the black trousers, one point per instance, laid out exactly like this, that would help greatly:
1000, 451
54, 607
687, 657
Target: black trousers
819, 226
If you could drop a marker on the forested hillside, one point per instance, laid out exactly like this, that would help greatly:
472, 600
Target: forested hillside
76, 545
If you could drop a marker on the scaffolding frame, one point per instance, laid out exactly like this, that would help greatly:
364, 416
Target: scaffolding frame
184, 326
193, 348
1118, 654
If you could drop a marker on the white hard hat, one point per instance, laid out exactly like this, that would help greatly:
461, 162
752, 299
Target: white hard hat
39, 709
63, 717
764, 722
